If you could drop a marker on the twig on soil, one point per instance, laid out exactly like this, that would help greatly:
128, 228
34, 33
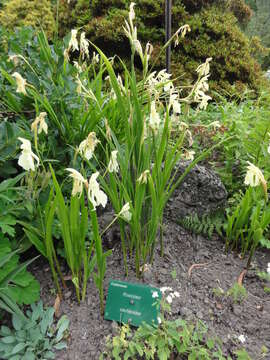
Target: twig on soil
196, 266
241, 277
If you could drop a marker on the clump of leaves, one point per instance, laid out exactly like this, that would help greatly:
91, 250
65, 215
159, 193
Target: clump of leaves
34, 337
17, 286
237, 292
161, 342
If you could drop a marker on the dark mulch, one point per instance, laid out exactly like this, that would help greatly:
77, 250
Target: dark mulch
223, 317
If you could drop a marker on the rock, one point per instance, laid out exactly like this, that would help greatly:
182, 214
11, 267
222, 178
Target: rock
187, 313
200, 192
67, 294
237, 310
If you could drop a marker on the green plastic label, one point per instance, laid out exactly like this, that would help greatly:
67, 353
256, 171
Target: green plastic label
133, 304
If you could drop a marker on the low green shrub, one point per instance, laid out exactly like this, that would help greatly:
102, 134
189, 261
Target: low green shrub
214, 33
17, 286
34, 337
37, 13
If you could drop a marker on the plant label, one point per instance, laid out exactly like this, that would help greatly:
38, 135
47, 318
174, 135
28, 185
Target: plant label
132, 304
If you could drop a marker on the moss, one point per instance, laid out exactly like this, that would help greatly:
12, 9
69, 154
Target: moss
215, 33
36, 13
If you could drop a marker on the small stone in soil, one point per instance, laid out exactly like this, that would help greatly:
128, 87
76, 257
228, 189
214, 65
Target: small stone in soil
67, 294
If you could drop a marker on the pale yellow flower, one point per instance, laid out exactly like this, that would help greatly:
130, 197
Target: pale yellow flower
204, 68
154, 119
95, 58
125, 212
113, 164
254, 176
39, 124
27, 157
189, 137
142, 179
215, 124
95, 195
87, 146
77, 66
73, 42
84, 45
131, 12
182, 31
183, 126
175, 103
21, 83
78, 181
189, 155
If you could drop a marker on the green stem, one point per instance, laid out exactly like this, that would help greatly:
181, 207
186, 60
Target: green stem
124, 250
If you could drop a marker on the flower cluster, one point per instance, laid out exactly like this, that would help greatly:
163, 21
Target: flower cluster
74, 45
87, 146
202, 86
254, 177
131, 33
39, 124
172, 294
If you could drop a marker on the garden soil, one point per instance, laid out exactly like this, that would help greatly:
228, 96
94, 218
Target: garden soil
203, 295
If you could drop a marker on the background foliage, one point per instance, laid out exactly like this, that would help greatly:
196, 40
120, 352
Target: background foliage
214, 24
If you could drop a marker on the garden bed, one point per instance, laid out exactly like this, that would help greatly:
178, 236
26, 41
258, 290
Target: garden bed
200, 289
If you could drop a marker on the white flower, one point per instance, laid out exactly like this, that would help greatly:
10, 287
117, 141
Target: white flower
159, 320
125, 212
176, 294
87, 146
155, 295
78, 182
268, 268
189, 155
204, 68
95, 195
183, 126
138, 47
131, 12
95, 58
215, 125
165, 288
27, 157
175, 103
73, 42
39, 124
169, 299
142, 179
242, 339
84, 45
254, 177
154, 119
21, 83
189, 137
182, 30
113, 164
